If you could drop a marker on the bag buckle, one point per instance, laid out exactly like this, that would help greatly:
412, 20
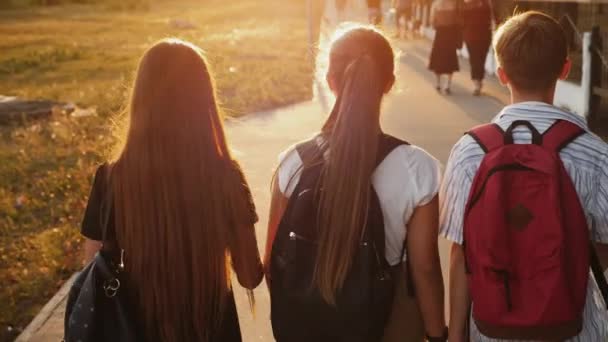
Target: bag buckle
111, 287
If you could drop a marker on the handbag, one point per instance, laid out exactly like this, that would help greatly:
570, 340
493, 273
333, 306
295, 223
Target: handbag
96, 308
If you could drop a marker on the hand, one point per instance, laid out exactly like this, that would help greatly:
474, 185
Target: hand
443, 338
454, 337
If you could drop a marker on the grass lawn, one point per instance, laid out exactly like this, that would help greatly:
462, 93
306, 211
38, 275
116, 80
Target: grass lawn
87, 54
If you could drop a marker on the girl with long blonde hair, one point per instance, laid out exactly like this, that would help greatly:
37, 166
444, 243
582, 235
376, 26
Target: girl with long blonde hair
181, 208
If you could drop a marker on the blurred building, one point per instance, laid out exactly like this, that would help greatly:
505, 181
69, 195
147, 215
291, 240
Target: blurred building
577, 17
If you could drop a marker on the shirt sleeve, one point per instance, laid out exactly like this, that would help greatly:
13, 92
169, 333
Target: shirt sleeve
91, 222
599, 203
426, 171
454, 194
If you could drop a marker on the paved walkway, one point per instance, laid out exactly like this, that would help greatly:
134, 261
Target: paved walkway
413, 111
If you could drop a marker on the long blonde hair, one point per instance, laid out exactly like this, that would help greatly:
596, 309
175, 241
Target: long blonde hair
174, 197
361, 68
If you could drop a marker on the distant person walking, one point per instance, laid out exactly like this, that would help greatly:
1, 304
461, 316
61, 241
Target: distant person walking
341, 6
374, 10
403, 12
445, 18
477, 32
180, 206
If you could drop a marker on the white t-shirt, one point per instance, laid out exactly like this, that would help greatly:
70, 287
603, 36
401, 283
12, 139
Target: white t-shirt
407, 178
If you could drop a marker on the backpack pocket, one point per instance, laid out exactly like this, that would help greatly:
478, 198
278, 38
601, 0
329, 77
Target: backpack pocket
299, 259
496, 297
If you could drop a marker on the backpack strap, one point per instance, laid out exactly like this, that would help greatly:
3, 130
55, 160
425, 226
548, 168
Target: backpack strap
488, 136
309, 151
387, 144
556, 137
107, 232
598, 273
561, 134
598, 270
109, 243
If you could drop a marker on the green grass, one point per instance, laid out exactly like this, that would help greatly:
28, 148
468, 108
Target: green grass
86, 54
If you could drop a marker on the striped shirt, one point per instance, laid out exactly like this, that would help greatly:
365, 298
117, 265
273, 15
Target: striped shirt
586, 161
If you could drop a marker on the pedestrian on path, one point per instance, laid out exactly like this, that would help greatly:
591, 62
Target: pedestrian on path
341, 6
351, 207
403, 12
478, 21
445, 17
374, 8
180, 205
525, 202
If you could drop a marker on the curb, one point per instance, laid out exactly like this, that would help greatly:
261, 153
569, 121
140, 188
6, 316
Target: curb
46, 311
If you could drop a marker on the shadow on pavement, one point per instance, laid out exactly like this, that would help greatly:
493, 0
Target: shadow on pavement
461, 96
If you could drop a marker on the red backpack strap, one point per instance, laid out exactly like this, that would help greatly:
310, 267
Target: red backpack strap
560, 134
488, 136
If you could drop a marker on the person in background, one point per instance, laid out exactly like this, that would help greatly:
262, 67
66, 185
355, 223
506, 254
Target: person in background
403, 11
477, 32
374, 10
445, 18
532, 53
180, 206
405, 179
341, 6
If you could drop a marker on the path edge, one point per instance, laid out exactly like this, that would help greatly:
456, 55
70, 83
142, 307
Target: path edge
46, 311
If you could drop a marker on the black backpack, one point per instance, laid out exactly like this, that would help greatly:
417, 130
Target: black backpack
298, 312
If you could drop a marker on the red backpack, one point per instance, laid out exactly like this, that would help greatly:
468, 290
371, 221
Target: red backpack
526, 240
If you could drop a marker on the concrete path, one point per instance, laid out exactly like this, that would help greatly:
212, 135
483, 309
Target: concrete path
414, 111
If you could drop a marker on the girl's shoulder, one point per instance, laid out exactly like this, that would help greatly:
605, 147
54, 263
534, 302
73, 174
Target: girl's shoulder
411, 159
290, 157
412, 171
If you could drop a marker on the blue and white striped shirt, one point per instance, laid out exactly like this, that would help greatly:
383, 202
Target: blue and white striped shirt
586, 161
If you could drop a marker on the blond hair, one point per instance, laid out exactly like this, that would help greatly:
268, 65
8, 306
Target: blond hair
531, 48
361, 66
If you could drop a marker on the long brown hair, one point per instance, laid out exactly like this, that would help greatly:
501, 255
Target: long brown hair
361, 70
172, 195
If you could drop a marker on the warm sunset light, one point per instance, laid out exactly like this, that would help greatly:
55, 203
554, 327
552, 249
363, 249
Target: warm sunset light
160, 159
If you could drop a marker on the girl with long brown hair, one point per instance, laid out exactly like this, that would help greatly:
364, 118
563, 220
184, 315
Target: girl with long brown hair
354, 168
181, 208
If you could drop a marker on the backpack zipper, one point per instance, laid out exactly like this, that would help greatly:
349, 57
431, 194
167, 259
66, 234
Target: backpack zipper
295, 236
505, 279
505, 167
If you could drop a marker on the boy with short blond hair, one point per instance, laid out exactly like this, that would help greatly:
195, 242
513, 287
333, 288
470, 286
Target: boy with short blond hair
532, 53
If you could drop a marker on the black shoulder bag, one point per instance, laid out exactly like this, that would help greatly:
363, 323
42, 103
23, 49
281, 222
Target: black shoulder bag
96, 308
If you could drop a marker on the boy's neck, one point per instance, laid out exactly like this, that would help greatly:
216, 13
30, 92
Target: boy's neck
522, 96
